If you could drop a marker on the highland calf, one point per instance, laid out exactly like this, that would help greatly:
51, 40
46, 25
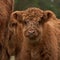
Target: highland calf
34, 35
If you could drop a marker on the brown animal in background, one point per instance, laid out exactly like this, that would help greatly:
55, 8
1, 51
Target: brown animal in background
34, 35
6, 8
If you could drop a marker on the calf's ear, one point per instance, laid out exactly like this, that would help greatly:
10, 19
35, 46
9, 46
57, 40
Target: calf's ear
14, 20
47, 15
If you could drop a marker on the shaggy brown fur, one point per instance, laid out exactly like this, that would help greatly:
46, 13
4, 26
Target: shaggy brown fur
34, 34
6, 8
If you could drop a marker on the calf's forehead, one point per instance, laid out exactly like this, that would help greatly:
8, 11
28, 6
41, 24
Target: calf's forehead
32, 14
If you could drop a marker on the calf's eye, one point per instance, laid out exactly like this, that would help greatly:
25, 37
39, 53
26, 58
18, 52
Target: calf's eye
41, 20
25, 22
14, 24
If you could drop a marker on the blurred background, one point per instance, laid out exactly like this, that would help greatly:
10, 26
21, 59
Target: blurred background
53, 5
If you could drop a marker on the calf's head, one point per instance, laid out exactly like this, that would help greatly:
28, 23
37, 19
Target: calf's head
32, 22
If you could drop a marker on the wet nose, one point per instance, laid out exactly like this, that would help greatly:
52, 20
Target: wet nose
31, 32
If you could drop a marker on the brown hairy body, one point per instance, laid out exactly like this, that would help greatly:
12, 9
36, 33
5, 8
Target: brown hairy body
34, 34
6, 8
